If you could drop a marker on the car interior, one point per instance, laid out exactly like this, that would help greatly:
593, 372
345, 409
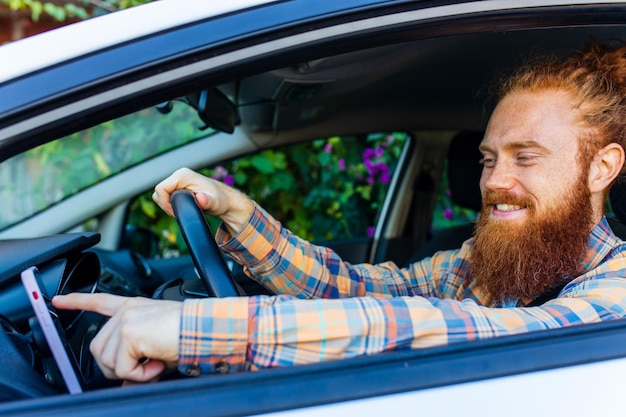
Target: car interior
434, 89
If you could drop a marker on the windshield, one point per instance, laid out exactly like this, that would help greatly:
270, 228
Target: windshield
41, 177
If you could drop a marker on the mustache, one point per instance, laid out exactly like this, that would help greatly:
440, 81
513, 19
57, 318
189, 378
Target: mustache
503, 197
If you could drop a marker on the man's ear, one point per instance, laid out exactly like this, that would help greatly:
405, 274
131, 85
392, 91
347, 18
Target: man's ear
605, 167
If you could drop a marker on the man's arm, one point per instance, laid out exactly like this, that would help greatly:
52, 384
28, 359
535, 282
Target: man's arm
287, 264
281, 331
230, 334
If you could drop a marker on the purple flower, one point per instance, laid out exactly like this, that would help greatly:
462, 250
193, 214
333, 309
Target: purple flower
384, 177
219, 172
368, 154
379, 151
328, 148
380, 168
229, 180
341, 164
447, 214
370, 231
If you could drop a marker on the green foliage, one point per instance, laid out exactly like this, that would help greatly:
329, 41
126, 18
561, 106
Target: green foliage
326, 189
57, 170
106, 149
62, 12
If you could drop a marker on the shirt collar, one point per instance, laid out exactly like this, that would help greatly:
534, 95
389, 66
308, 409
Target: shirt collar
602, 240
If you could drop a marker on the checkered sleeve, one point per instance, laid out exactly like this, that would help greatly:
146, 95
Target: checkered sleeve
329, 309
286, 264
258, 332
213, 336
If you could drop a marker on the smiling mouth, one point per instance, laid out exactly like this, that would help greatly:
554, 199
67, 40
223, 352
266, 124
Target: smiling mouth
506, 202
508, 207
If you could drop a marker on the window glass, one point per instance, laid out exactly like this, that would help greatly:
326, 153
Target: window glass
39, 178
322, 190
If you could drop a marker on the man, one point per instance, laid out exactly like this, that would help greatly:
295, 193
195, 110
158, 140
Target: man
552, 148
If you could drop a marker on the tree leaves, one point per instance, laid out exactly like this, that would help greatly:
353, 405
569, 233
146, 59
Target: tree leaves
62, 12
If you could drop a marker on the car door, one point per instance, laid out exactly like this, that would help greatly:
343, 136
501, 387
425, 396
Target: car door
154, 67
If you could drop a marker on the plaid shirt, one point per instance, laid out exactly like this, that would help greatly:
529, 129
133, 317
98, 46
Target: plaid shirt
329, 309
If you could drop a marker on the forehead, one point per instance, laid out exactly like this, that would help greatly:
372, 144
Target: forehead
544, 118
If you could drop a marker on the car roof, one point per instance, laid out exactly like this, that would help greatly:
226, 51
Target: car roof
81, 38
428, 79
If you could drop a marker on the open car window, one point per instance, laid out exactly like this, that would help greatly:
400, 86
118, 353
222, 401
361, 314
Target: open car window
324, 190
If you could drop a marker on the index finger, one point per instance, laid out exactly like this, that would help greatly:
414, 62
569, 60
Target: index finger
164, 189
101, 303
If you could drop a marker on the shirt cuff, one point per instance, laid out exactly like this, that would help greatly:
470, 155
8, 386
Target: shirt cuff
213, 336
255, 243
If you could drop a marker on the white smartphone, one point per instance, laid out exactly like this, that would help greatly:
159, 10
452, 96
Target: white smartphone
31, 284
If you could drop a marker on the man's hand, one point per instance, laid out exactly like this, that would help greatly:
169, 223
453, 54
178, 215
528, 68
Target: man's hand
139, 341
213, 197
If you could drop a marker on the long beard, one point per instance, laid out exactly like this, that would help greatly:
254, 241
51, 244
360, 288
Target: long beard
511, 261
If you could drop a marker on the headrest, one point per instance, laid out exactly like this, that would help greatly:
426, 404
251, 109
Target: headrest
464, 169
617, 197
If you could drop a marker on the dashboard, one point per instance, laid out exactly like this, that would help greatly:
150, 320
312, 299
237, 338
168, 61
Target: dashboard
66, 263
70, 263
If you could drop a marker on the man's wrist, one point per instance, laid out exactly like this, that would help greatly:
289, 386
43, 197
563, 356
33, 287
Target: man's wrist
255, 244
240, 210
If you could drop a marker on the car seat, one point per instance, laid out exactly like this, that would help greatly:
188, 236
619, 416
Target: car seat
617, 198
464, 172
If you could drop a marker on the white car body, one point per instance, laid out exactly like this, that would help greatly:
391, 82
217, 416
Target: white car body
565, 382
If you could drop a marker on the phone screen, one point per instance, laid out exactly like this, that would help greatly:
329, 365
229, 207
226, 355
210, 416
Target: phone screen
33, 287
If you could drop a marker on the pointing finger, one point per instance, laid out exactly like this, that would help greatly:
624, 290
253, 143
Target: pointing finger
101, 303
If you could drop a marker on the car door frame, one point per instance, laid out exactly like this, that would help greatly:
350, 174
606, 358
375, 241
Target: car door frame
328, 383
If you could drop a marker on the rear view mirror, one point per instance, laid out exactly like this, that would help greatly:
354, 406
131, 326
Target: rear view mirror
215, 109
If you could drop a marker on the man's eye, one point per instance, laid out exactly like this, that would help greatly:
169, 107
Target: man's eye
525, 158
488, 162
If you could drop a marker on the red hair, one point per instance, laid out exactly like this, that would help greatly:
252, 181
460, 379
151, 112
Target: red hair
595, 78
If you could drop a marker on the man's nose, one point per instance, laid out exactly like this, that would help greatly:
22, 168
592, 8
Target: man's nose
499, 177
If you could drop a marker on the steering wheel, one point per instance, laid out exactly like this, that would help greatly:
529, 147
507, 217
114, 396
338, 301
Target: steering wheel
205, 254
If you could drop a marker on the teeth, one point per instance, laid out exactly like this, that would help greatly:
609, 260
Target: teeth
507, 207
